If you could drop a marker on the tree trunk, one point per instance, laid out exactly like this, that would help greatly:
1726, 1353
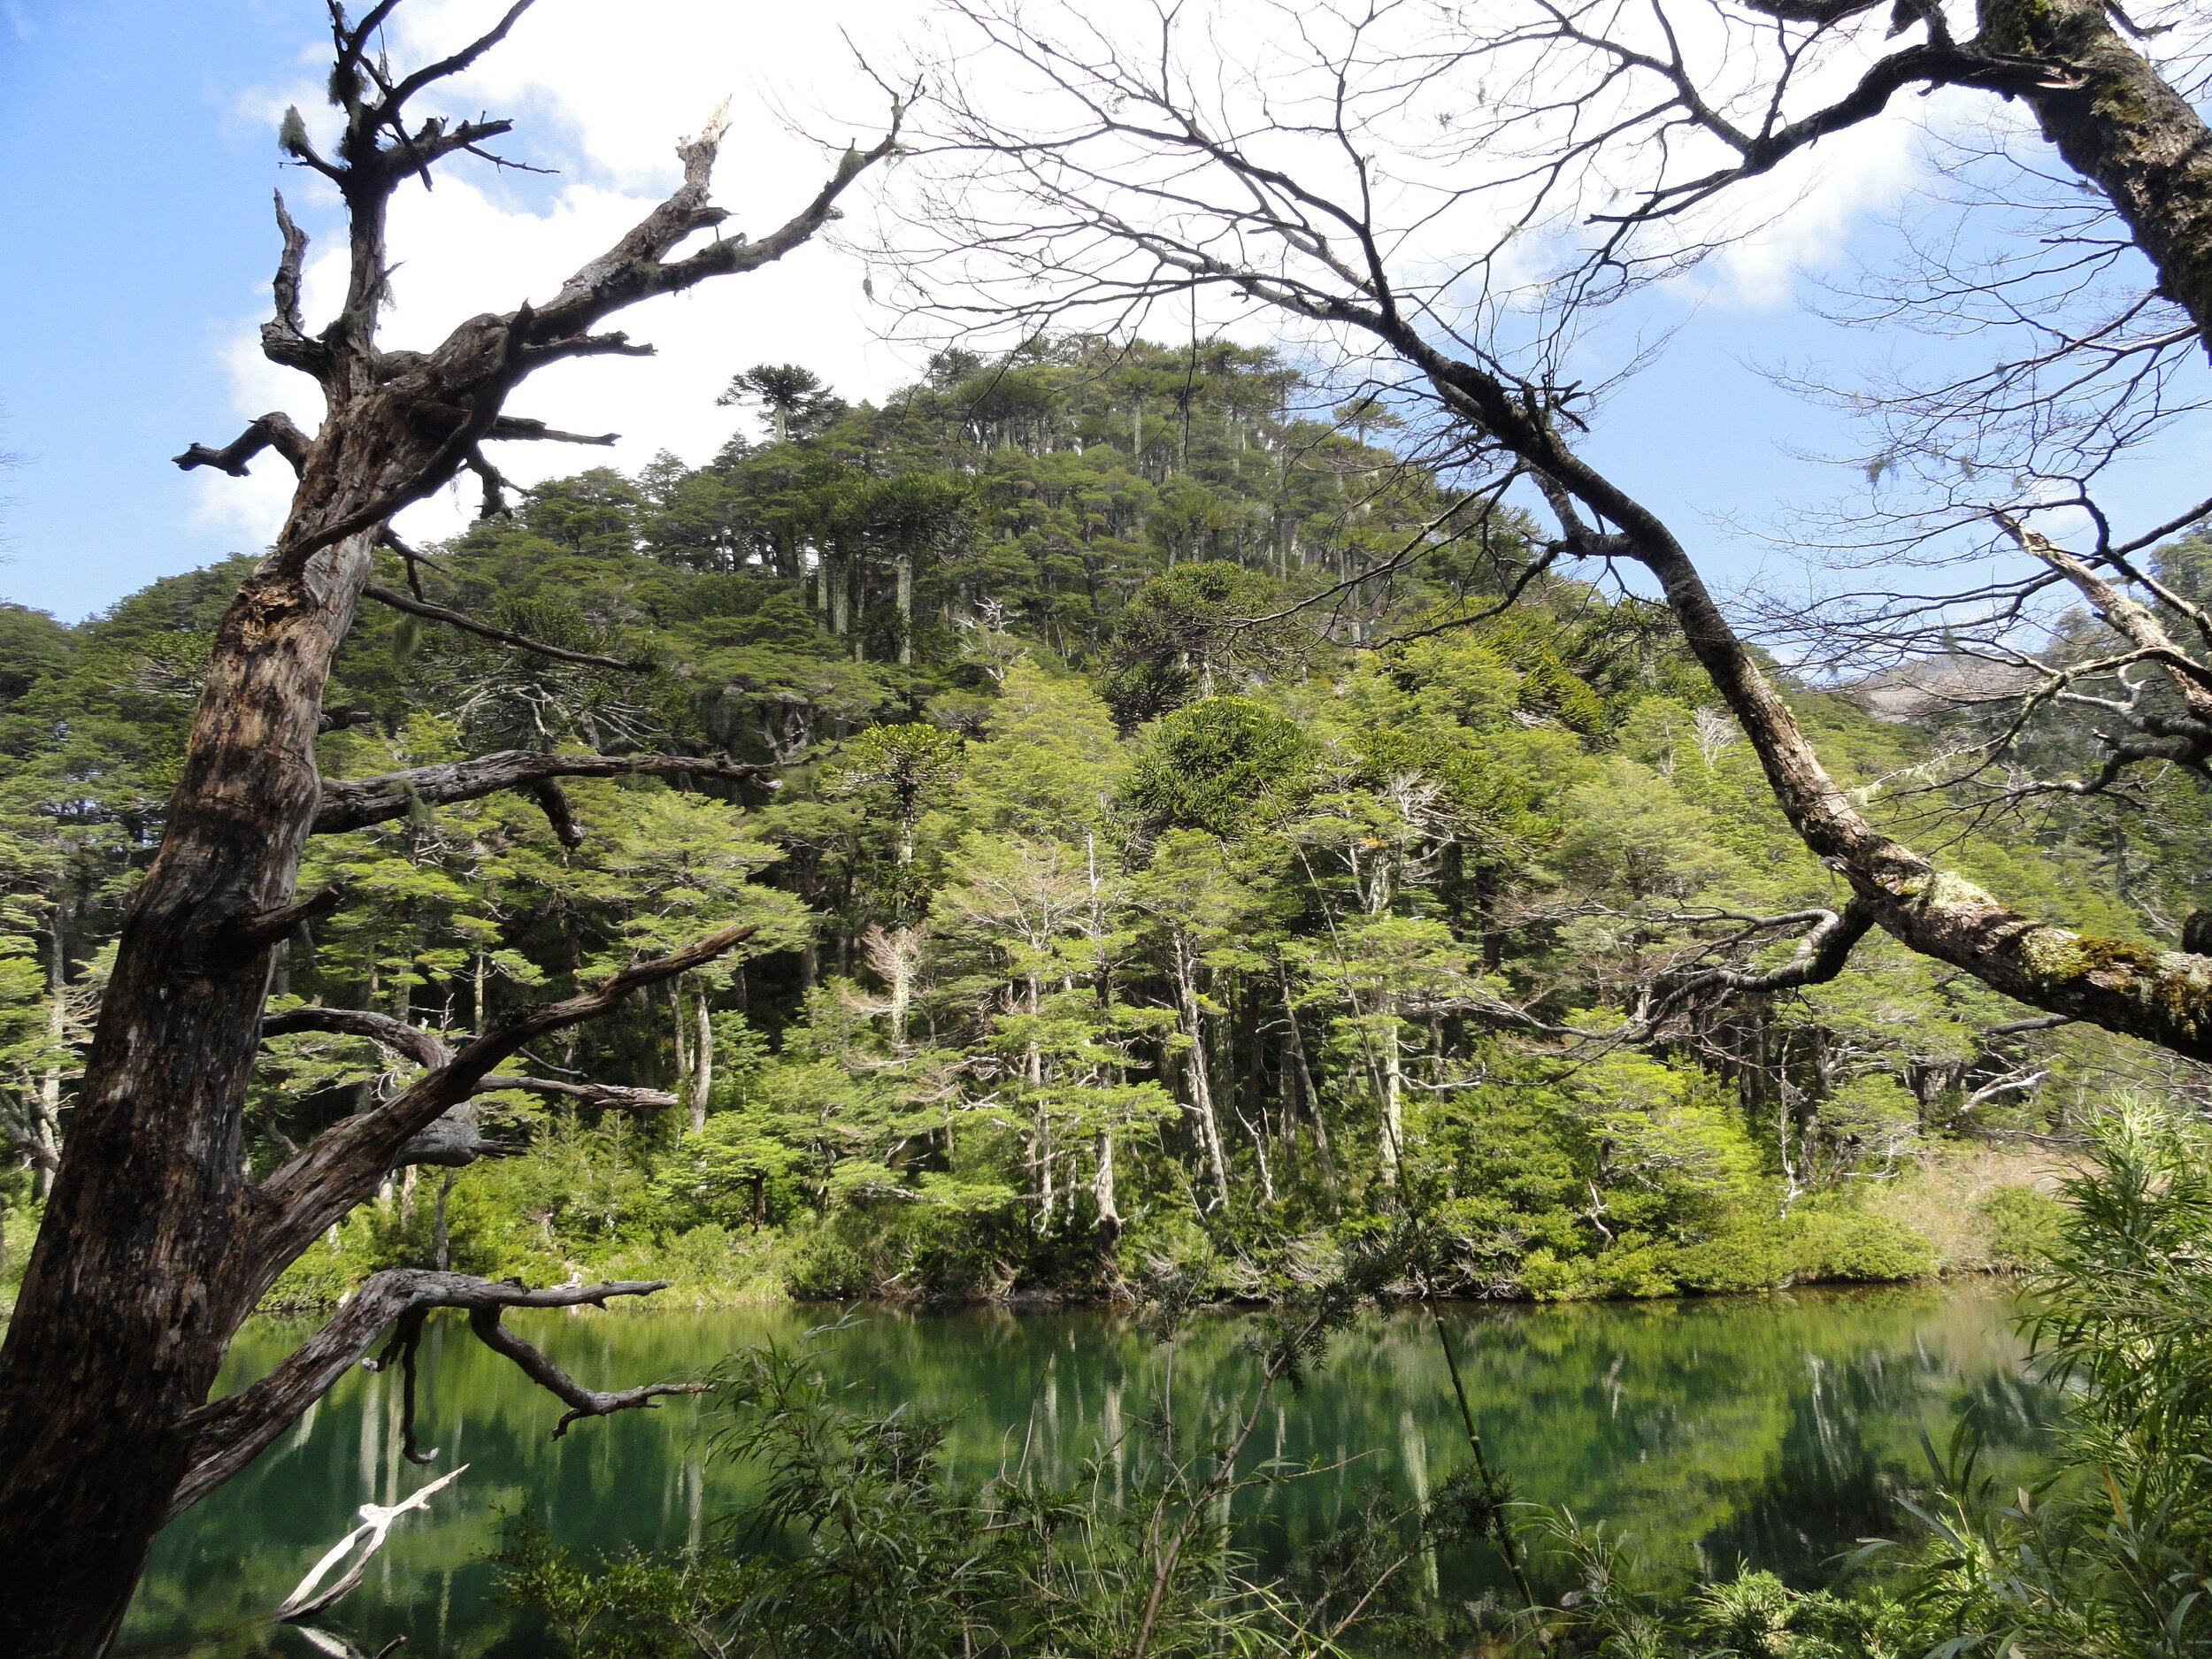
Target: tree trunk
2117, 121
441, 1241
1311, 1095
152, 1251
681, 1019
1392, 1136
1102, 1192
1201, 1105
905, 571
133, 1291
703, 1061
49, 1126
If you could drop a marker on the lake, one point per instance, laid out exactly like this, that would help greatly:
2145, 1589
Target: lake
1777, 1430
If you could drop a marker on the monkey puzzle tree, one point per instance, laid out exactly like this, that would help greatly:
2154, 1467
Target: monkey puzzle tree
156, 1244
794, 397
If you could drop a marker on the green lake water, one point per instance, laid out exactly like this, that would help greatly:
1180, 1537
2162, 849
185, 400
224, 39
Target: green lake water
1777, 1429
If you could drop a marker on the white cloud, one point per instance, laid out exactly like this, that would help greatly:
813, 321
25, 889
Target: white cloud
1806, 213
605, 95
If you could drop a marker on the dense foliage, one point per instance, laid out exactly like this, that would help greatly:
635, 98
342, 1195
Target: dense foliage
1120, 900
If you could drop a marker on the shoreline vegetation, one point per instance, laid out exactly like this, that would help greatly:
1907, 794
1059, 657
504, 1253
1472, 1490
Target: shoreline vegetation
1272, 823
1967, 1210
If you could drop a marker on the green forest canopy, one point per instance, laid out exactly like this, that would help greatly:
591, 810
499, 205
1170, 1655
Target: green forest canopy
1124, 895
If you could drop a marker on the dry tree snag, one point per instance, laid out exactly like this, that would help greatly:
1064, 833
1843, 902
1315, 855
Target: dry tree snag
156, 1244
1599, 129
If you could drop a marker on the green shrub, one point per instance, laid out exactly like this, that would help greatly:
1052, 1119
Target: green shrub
1745, 1254
2025, 1227
1850, 1246
706, 1266
19, 1226
826, 1266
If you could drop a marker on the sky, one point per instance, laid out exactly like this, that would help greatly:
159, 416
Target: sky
136, 210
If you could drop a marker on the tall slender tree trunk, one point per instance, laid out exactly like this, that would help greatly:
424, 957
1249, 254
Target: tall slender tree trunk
1393, 1114
702, 1060
57, 1028
680, 1017
1040, 1119
905, 573
1315, 1111
1103, 1191
1200, 1104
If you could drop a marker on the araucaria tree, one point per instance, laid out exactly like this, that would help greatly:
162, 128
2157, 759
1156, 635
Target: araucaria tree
1447, 198
156, 1244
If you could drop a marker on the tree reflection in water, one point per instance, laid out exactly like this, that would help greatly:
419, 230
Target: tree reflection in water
1777, 1430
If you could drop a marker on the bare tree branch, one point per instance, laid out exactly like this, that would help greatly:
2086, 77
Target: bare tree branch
451, 1139
265, 927
504, 636
225, 1435
333, 1171
350, 804
508, 428
1820, 956
581, 1402
272, 431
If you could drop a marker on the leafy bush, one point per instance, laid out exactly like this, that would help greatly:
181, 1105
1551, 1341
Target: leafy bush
1747, 1254
827, 1266
19, 1226
2026, 1227
1849, 1246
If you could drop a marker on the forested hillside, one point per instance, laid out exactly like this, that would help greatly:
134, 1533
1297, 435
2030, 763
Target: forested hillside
1137, 887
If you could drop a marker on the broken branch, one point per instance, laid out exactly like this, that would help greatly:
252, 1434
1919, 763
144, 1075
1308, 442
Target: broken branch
337, 1169
581, 1402
275, 430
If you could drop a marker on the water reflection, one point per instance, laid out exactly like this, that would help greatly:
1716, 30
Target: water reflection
1777, 1430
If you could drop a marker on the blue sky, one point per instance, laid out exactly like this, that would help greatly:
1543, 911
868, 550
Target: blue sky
142, 158
136, 209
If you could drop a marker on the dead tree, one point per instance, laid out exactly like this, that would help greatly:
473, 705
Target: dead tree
156, 1245
1310, 179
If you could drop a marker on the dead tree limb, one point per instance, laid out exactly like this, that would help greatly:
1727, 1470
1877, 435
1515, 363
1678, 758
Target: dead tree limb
361, 1543
415, 607
352, 804
223, 1437
581, 1402
340, 1167
451, 1140
515, 428
272, 431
